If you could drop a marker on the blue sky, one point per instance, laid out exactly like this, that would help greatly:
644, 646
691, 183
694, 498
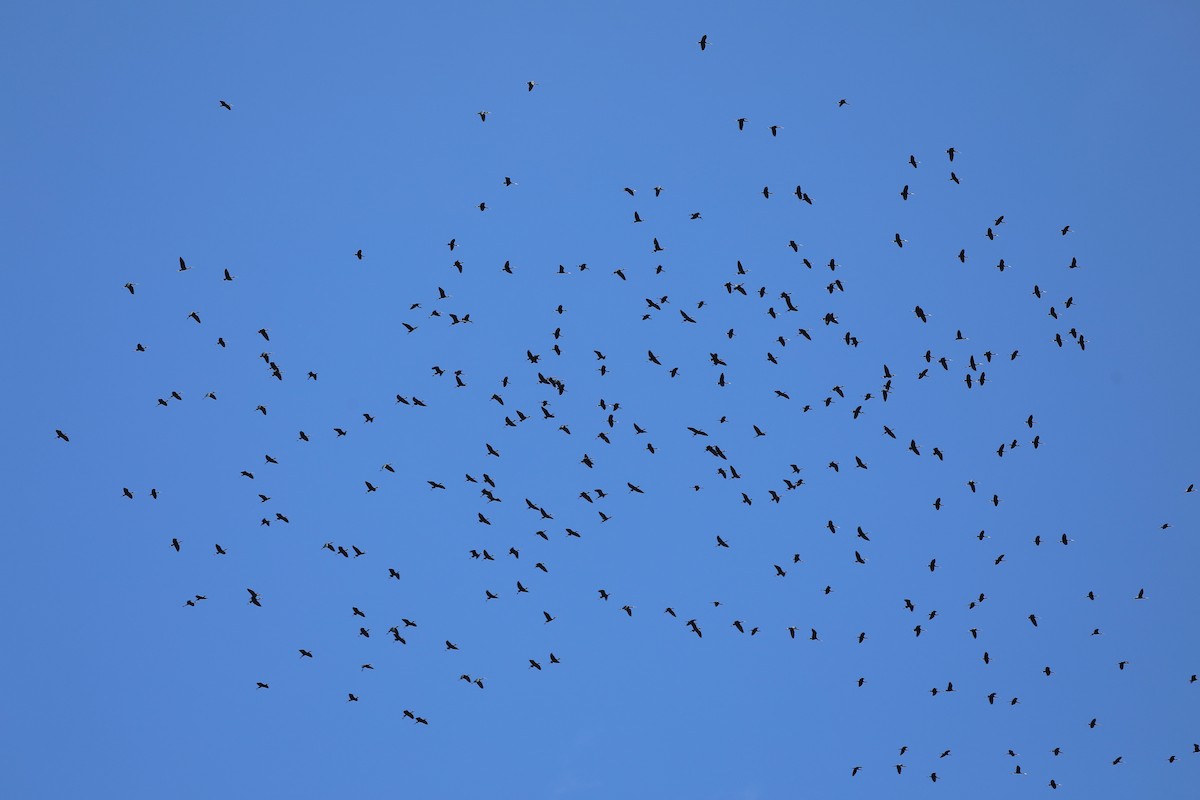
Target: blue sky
356, 128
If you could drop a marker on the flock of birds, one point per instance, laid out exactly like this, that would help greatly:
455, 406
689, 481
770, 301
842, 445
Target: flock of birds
716, 441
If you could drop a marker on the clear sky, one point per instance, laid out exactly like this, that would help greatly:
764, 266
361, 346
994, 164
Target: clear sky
355, 126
